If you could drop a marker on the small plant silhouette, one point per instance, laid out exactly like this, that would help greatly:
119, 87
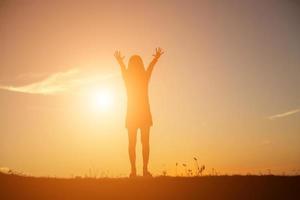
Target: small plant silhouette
176, 169
190, 172
199, 170
185, 167
164, 173
187, 171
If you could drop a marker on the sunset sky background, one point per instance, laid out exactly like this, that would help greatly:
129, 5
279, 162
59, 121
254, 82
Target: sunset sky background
226, 90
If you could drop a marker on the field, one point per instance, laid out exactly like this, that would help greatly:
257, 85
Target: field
207, 187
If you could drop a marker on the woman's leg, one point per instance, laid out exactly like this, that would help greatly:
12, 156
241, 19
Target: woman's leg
145, 147
131, 149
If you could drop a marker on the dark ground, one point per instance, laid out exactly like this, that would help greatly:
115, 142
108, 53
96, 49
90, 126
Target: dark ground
208, 187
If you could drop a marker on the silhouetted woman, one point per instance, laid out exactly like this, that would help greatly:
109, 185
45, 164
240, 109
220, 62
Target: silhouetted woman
138, 116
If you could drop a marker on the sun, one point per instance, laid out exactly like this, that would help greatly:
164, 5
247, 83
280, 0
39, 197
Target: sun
101, 100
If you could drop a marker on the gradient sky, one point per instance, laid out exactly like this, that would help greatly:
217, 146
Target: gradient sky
227, 90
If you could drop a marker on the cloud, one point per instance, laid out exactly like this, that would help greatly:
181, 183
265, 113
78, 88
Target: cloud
58, 83
285, 114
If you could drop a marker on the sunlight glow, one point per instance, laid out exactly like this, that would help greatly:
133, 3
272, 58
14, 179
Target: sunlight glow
101, 100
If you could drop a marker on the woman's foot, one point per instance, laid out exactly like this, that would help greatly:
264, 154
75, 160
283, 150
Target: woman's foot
146, 173
132, 174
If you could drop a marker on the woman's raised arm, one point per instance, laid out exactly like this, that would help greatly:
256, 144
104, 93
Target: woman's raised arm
158, 53
120, 61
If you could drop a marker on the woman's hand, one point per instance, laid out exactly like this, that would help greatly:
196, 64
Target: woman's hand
118, 56
158, 53
120, 61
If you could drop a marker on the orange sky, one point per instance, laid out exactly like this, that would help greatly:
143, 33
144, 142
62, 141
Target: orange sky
225, 91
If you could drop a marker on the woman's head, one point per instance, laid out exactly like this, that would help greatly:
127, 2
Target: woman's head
136, 66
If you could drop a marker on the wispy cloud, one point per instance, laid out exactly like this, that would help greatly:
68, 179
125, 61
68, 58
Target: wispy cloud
58, 83
285, 114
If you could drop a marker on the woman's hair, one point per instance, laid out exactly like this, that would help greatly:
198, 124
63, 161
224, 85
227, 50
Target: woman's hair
136, 66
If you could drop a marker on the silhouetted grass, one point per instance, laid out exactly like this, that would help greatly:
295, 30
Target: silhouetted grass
204, 187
